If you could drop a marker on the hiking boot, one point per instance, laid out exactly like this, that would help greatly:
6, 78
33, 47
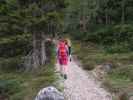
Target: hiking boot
65, 76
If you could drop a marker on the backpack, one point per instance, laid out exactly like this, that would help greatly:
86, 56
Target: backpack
62, 49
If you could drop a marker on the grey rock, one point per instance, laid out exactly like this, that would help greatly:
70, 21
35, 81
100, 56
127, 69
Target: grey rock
107, 67
49, 93
131, 98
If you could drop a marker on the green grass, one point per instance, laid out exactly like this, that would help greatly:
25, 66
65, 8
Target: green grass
16, 85
26, 85
120, 79
92, 54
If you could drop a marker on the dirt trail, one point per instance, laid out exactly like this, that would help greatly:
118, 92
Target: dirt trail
80, 85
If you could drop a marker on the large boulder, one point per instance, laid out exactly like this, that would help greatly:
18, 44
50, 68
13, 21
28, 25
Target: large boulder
49, 93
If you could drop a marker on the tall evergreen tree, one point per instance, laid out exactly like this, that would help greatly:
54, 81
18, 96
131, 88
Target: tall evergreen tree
36, 18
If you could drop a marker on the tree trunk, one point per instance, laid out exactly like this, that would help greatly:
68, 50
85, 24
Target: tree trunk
43, 50
83, 22
106, 17
37, 57
39, 50
35, 52
123, 12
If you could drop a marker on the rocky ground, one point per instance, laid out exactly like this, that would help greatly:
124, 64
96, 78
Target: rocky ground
80, 85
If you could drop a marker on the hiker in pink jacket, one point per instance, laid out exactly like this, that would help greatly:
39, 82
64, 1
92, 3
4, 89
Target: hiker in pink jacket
62, 56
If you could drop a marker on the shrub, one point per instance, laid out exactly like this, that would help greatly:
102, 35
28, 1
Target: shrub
15, 45
124, 96
88, 65
79, 35
118, 48
10, 64
9, 87
125, 72
111, 34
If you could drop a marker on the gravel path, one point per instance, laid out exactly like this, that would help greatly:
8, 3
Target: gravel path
80, 85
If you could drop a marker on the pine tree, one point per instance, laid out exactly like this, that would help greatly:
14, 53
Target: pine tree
36, 19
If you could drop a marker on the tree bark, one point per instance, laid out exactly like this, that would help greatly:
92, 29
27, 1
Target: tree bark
107, 17
123, 12
83, 22
35, 52
43, 50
